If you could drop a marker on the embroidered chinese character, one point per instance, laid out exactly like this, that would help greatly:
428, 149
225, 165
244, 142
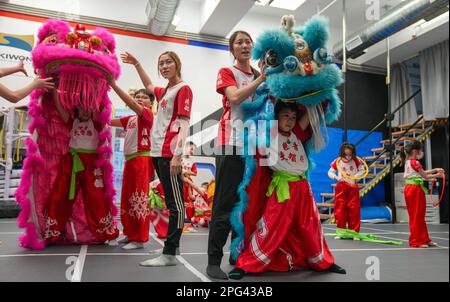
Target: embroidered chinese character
293, 157
164, 104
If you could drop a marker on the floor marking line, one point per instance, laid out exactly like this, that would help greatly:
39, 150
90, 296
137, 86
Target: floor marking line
186, 264
36, 255
204, 253
401, 233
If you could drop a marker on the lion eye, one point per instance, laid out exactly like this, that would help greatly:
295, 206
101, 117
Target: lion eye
301, 45
271, 58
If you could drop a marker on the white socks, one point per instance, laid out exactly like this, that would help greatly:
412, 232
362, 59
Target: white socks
163, 260
133, 246
160, 251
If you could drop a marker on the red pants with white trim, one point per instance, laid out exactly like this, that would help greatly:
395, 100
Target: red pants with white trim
160, 221
288, 236
190, 210
347, 206
416, 205
134, 207
98, 210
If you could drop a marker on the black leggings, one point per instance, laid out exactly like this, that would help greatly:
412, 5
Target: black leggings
173, 193
229, 174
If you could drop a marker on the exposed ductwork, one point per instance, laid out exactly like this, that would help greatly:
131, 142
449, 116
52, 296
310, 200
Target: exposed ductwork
400, 17
160, 14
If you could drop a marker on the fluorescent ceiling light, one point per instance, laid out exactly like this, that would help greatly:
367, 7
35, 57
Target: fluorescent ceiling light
176, 20
287, 4
262, 2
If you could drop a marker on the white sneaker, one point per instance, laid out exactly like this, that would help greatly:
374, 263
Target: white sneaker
112, 243
337, 238
124, 240
133, 246
432, 244
424, 246
163, 260
356, 239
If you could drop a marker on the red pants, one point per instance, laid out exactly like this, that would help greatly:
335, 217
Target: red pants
188, 203
97, 209
347, 206
160, 221
416, 205
134, 208
289, 235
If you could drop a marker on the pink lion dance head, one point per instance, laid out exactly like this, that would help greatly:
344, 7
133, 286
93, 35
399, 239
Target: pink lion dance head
81, 64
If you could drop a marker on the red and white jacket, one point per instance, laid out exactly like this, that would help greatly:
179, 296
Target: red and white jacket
412, 168
137, 137
229, 130
353, 168
174, 103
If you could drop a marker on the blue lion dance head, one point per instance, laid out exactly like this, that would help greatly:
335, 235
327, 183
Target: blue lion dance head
299, 70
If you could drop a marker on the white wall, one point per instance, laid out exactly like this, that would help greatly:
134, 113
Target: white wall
200, 65
119, 10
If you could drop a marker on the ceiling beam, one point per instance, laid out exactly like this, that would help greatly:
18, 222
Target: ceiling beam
220, 17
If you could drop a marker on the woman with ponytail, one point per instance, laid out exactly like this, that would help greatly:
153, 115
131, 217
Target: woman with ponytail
168, 138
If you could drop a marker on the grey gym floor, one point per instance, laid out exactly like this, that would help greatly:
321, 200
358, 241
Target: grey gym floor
104, 263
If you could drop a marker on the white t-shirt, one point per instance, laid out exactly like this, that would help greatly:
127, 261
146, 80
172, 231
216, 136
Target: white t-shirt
289, 155
412, 168
83, 135
353, 168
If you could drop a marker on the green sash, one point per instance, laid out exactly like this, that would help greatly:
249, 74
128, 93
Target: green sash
155, 201
280, 182
77, 166
417, 181
350, 234
134, 155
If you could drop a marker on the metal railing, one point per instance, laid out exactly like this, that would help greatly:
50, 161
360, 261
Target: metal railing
390, 147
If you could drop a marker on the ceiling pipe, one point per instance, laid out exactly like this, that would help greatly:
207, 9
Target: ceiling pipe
400, 17
161, 14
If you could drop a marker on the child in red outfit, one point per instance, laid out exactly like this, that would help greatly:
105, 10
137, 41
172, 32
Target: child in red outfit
289, 235
415, 190
347, 205
78, 171
189, 169
138, 171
